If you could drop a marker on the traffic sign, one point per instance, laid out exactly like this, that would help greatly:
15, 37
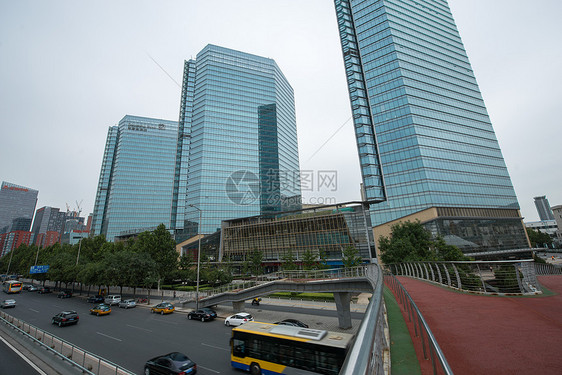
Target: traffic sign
39, 269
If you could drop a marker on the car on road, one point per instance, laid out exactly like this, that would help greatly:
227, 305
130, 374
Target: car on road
238, 319
113, 299
64, 294
95, 299
101, 309
8, 303
292, 322
33, 288
163, 308
65, 318
202, 315
26, 286
44, 290
127, 303
171, 363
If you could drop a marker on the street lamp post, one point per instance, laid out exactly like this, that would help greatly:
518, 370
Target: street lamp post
198, 257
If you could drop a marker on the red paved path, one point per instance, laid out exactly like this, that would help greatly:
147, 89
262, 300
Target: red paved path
494, 335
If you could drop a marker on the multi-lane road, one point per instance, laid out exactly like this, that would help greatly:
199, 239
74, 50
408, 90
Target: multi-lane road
130, 337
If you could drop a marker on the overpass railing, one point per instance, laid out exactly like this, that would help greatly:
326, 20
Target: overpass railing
370, 353
517, 277
86, 362
544, 269
430, 347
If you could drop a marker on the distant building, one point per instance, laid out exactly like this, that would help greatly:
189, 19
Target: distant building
326, 231
136, 178
48, 226
557, 213
237, 151
17, 205
74, 236
12, 240
427, 149
543, 208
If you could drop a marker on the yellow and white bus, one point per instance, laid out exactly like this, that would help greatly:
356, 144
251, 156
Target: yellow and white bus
279, 349
12, 286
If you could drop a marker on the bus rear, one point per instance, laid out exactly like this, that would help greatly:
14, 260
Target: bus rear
12, 286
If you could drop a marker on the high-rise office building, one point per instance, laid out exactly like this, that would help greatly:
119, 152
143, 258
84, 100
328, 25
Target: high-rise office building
237, 153
136, 179
543, 208
17, 205
426, 146
48, 226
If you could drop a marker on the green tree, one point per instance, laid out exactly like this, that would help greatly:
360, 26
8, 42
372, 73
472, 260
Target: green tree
538, 238
350, 257
411, 242
161, 248
309, 260
289, 261
256, 259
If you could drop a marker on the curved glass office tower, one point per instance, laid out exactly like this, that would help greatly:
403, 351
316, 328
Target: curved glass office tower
238, 133
426, 146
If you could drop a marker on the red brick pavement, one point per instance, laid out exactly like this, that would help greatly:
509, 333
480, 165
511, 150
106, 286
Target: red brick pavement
491, 334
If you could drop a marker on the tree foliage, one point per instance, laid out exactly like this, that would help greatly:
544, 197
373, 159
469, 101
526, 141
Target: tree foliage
351, 257
538, 238
411, 242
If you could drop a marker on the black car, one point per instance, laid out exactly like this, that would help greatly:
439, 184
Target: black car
65, 318
292, 322
202, 314
95, 299
44, 290
65, 294
172, 363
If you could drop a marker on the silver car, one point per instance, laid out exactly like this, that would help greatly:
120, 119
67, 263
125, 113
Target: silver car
127, 303
8, 303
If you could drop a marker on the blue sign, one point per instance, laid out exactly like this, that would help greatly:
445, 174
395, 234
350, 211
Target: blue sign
39, 269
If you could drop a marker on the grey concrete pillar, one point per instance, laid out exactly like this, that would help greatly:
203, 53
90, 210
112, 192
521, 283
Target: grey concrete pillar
343, 300
238, 306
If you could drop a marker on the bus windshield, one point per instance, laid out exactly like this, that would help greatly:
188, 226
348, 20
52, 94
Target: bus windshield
277, 349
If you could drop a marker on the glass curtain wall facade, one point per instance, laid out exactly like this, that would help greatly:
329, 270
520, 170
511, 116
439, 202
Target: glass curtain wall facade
419, 117
137, 176
238, 115
319, 231
17, 205
100, 205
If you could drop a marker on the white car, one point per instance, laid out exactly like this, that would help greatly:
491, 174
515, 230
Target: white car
8, 303
113, 299
238, 319
127, 303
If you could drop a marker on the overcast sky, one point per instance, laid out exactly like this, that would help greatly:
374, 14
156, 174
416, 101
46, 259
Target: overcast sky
69, 70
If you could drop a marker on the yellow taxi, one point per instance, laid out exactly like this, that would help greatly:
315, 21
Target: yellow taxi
101, 309
163, 308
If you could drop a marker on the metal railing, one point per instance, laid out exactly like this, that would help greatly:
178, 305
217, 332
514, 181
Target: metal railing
83, 360
430, 347
517, 277
542, 269
299, 275
370, 353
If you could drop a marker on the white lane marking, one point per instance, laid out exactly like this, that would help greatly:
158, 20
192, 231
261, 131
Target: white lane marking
144, 329
208, 369
216, 347
23, 357
33, 310
103, 334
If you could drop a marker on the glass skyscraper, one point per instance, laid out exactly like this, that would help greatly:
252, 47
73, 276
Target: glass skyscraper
136, 179
237, 153
17, 205
426, 146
